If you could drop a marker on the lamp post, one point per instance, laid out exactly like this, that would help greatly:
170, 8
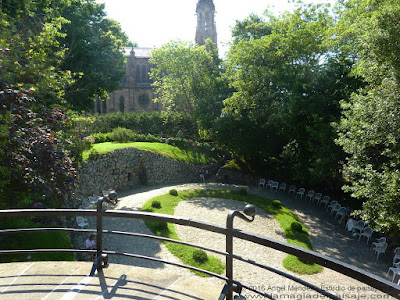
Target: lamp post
111, 198
250, 211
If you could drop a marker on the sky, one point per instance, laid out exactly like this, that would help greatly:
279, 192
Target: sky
152, 23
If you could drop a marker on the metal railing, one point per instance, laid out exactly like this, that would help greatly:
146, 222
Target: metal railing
231, 284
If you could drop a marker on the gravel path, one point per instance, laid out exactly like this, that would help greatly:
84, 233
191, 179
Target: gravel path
327, 238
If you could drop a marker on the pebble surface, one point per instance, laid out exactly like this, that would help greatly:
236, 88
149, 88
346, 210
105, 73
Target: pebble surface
214, 211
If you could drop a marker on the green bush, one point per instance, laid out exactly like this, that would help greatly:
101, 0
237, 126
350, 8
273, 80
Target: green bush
160, 226
242, 192
296, 226
276, 204
121, 135
200, 256
101, 137
173, 192
93, 154
156, 204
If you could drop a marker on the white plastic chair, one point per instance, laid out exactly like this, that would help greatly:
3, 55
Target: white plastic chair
395, 269
340, 213
378, 241
282, 187
335, 209
325, 200
310, 195
82, 222
331, 205
317, 198
262, 182
359, 226
380, 248
292, 189
269, 183
300, 193
274, 186
367, 232
396, 255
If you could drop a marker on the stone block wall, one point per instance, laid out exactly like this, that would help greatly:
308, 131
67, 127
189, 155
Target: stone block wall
130, 168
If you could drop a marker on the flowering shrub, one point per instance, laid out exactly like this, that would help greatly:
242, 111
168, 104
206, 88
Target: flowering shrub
89, 139
37, 156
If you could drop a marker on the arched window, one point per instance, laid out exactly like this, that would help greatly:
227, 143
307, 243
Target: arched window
148, 75
98, 106
138, 73
122, 104
104, 104
144, 73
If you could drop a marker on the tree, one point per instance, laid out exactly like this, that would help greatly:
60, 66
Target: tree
31, 53
369, 130
95, 52
37, 156
67, 50
281, 72
187, 78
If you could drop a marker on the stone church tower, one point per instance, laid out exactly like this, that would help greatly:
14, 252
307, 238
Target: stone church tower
206, 28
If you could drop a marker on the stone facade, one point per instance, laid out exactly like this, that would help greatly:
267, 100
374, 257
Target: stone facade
136, 93
130, 168
206, 27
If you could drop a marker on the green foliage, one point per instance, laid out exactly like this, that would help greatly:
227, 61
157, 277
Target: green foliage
156, 204
159, 227
191, 82
276, 204
157, 123
232, 165
37, 156
173, 192
101, 137
193, 155
91, 37
121, 135
51, 43
296, 226
243, 192
288, 85
34, 240
200, 256
370, 128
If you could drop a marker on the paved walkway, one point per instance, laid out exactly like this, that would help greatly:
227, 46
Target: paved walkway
140, 279
327, 237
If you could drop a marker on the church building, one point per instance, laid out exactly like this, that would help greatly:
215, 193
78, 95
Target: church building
136, 93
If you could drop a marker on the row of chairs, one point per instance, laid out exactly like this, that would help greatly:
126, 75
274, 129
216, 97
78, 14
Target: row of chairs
338, 212
272, 185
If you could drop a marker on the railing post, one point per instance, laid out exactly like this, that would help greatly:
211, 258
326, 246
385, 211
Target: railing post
99, 228
229, 250
250, 211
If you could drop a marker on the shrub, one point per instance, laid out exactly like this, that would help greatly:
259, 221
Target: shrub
160, 226
200, 256
156, 204
276, 204
121, 135
242, 192
296, 226
173, 192
93, 154
101, 137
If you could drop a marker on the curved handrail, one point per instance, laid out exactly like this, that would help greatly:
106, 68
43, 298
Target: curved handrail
341, 267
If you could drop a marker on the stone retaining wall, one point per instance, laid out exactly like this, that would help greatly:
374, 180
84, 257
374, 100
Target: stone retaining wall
130, 168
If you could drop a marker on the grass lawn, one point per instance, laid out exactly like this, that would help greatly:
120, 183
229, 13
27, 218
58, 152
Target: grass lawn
191, 155
284, 216
35, 240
